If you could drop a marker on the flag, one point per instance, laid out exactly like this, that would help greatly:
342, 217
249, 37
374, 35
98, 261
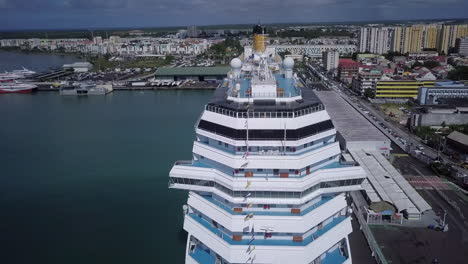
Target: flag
248, 184
248, 217
246, 229
249, 205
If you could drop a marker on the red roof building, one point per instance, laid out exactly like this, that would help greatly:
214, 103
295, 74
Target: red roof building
347, 69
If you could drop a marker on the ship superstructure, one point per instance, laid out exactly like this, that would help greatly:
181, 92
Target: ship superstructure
267, 183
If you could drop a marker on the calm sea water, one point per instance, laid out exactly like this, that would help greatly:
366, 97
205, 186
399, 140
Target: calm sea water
34, 61
85, 180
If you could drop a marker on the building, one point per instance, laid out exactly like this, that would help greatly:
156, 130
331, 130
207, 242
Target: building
423, 55
115, 39
330, 60
431, 95
315, 50
399, 89
267, 180
459, 141
462, 46
431, 116
397, 40
430, 36
192, 73
97, 40
366, 80
79, 66
193, 32
414, 38
347, 70
354, 132
448, 36
374, 40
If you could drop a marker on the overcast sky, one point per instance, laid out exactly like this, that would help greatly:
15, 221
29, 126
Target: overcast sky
40, 14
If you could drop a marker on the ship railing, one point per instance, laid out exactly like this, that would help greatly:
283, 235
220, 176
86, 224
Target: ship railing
239, 94
264, 114
183, 162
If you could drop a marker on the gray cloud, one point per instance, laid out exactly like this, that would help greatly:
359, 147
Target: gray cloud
108, 13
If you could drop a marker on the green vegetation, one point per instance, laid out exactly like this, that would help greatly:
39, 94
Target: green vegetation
460, 128
427, 64
441, 169
390, 55
434, 137
224, 51
459, 73
369, 93
284, 53
230, 46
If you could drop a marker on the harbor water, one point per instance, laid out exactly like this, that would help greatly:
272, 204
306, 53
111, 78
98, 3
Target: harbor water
85, 179
10, 61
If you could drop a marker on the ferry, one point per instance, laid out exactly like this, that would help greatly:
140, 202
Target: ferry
12, 86
266, 182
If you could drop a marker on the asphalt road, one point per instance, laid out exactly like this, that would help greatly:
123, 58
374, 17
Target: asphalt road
411, 139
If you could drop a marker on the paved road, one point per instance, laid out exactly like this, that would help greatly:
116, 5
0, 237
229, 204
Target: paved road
375, 117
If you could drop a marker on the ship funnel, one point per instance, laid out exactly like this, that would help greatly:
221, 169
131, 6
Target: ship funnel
259, 39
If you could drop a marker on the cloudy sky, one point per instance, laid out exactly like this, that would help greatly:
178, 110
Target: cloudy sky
39, 14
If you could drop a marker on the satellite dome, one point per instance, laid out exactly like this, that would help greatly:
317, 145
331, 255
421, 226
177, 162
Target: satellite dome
288, 63
236, 63
256, 58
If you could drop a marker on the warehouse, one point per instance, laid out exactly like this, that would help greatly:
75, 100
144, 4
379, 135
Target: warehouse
192, 73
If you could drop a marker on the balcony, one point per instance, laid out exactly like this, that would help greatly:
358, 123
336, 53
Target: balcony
240, 241
201, 256
266, 173
217, 157
268, 151
232, 211
334, 257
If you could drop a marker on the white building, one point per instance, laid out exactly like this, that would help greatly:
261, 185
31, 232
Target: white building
374, 40
79, 66
366, 80
312, 50
266, 183
462, 46
330, 60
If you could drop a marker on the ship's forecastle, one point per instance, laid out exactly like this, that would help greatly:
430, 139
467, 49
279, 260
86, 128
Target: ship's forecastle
267, 183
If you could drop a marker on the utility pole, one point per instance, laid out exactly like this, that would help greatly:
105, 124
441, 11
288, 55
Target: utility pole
443, 221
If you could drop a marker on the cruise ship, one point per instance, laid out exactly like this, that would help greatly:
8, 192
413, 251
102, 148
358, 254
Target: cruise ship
268, 182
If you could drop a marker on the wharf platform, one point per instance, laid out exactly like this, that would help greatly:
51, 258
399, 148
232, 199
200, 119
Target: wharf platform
137, 88
49, 88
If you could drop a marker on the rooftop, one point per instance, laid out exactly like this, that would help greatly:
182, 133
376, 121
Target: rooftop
458, 137
385, 183
348, 122
192, 71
